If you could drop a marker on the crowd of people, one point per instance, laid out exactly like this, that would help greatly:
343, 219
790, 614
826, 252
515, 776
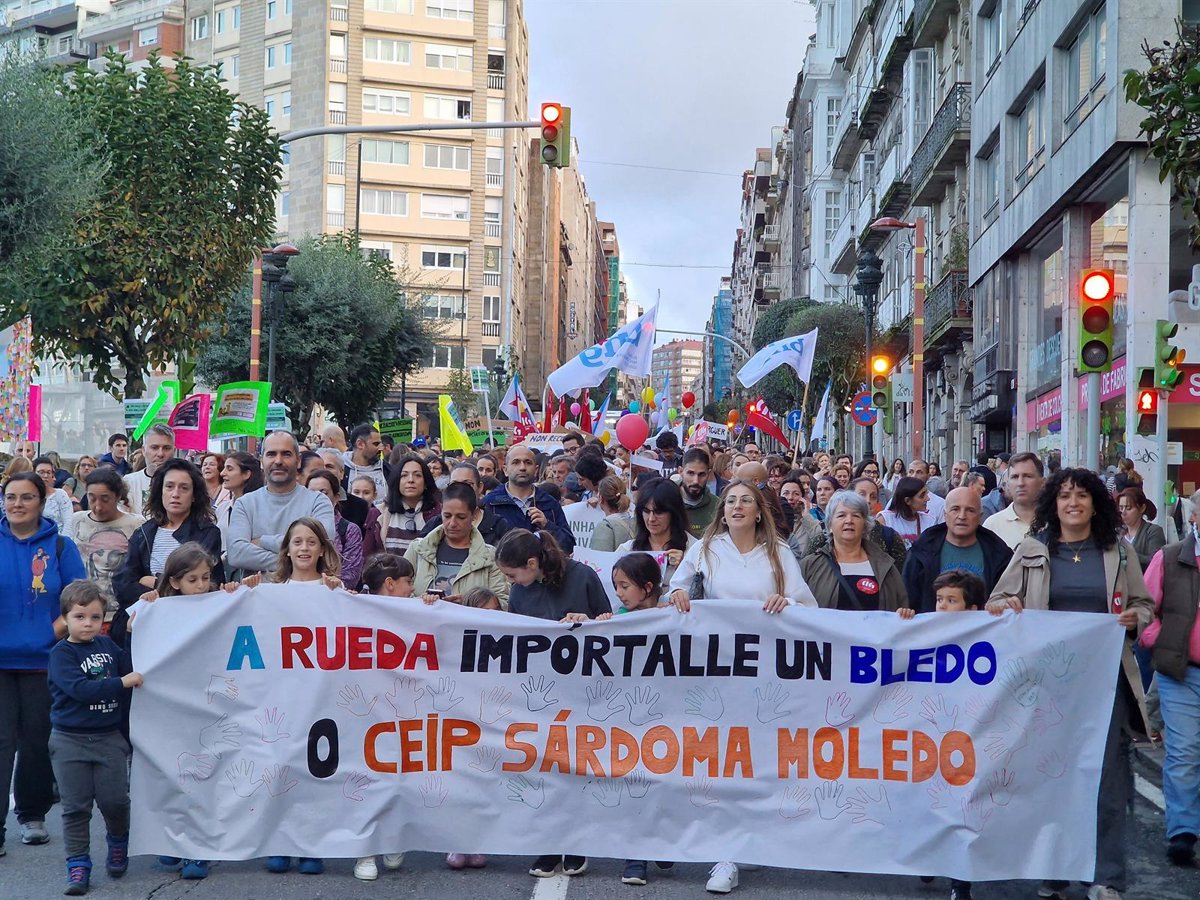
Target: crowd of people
355, 512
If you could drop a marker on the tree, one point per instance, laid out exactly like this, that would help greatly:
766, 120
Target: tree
1169, 90
839, 356
188, 196
48, 172
348, 331
458, 387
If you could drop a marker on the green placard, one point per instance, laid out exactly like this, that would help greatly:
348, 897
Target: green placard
134, 410
399, 430
241, 408
479, 436
277, 419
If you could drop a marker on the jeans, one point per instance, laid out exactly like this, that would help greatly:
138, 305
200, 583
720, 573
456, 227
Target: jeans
91, 768
1180, 701
24, 738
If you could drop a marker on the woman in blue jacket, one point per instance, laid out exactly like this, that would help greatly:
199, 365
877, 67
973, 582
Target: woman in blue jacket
36, 563
177, 511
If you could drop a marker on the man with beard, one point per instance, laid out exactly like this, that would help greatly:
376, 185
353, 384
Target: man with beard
523, 505
699, 502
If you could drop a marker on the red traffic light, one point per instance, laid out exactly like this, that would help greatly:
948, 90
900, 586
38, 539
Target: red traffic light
551, 114
1098, 284
1147, 402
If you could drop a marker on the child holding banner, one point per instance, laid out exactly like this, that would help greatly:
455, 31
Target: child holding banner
307, 554
388, 575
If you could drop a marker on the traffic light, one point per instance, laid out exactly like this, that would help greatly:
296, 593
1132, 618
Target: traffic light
1167, 357
556, 135
1147, 404
881, 389
1170, 498
1097, 289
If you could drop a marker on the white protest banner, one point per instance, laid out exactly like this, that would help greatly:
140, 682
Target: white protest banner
709, 431
796, 351
583, 519
638, 461
544, 443
602, 561
289, 720
628, 350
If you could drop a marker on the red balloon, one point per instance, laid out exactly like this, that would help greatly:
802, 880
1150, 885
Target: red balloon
687, 399
733, 416
632, 431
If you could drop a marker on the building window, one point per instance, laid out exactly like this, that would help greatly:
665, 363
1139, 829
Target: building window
443, 306
443, 257
492, 207
285, 202
335, 204
833, 218
222, 21
375, 249
992, 31
235, 66
447, 56
463, 10
1030, 137
441, 357
487, 358
272, 55
287, 53
989, 187
390, 103
390, 6
337, 46
1085, 67
446, 156
286, 105
200, 28
269, 106
272, 9
445, 206
237, 18
386, 50
337, 97
148, 37
449, 108
287, 7
394, 153
384, 203
833, 108
495, 166
491, 308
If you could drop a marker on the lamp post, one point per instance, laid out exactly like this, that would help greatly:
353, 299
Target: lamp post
888, 224
870, 276
279, 283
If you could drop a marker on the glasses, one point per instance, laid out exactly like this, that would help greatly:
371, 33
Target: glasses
739, 501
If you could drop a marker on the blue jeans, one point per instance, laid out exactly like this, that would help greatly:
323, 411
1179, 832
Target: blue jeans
1181, 770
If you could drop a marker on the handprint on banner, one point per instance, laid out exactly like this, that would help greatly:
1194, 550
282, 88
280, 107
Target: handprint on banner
975, 813
442, 696
352, 699
604, 700
403, 697
1052, 765
641, 705
278, 780
934, 711
1006, 740
1000, 787
705, 704
892, 705
793, 803
981, 710
607, 792
493, 705
537, 693
1046, 717
771, 700
837, 710
193, 768
433, 791
241, 778
221, 733
531, 793
486, 759
700, 792
221, 686
830, 803
866, 807
941, 795
355, 784
1057, 661
1022, 682
637, 783
271, 723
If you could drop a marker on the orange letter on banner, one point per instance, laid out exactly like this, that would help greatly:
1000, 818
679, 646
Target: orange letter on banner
664, 764
619, 765
457, 733
793, 751
831, 769
957, 776
528, 749
410, 743
737, 753
699, 748
893, 755
855, 770
924, 757
369, 754
589, 739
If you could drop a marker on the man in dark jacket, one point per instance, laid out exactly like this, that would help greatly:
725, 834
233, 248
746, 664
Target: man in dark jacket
959, 543
118, 454
522, 505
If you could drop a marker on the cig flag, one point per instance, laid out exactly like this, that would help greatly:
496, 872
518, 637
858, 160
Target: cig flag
628, 350
454, 433
796, 351
515, 405
758, 415
819, 426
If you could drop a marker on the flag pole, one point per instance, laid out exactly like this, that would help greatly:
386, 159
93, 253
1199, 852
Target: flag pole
803, 419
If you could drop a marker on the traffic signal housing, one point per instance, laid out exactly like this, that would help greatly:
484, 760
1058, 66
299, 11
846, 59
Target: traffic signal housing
556, 135
1167, 357
1147, 404
881, 389
1097, 293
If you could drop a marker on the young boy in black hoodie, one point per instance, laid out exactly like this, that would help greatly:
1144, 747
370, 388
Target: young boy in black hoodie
90, 677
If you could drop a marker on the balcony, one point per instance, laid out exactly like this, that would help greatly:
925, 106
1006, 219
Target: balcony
848, 141
762, 176
491, 329
68, 51
768, 285
949, 309
335, 218
497, 31
493, 180
122, 18
337, 117
491, 229
931, 18
771, 237
337, 167
760, 213
339, 14
894, 190
58, 16
873, 110
945, 146
495, 81
337, 64
491, 279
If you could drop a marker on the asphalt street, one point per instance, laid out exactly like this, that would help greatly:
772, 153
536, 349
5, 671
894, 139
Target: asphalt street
38, 873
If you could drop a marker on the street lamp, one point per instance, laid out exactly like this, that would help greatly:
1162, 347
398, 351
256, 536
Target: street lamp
889, 224
870, 276
279, 284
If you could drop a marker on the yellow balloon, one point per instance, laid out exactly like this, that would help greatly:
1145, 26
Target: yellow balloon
648, 396
605, 438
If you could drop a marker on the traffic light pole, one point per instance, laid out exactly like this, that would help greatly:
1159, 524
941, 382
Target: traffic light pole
1160, 465
1093, 423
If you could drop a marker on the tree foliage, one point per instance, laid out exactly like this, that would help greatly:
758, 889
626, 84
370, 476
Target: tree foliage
48, 172
840, 354
458, 387
188, 196
348, 331
1169, 90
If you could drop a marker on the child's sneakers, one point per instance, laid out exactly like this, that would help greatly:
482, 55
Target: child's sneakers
635, 872
79, 874
194, 869
116, 863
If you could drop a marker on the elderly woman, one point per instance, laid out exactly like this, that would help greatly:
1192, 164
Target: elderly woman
1075, 561
850, 571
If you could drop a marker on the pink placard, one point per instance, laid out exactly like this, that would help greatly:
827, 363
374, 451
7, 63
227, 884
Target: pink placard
190, 419
35, 413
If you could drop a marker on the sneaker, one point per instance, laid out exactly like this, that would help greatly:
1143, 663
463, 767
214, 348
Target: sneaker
310, 866
574, 865
393, 861
456, 860
79, 873
665, 866
1051, 891
170, 861
635, 872
365, 869
278, 864
1103, 892
545, 866
960, 892
1181, 849
34, 832
722, 879
194, 869
116, 863
476, 860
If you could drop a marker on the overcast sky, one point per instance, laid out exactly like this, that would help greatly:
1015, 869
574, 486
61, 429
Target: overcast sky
687, 84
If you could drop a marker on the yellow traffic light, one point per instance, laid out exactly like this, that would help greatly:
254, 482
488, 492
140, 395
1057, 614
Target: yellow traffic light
881, 365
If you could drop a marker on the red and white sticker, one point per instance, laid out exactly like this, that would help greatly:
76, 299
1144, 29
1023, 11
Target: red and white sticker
867, 585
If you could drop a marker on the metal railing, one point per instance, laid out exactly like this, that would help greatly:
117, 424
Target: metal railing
491, 329
952, 298
496, 81
337, 64
491, 229
953, 116
335, 218
497, 31
771, 234
491, 279
494, 181
339, 14
337, 117
337, 167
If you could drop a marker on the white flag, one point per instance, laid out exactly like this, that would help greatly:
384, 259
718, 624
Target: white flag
628, 350
515, 406
818, 430
796, 351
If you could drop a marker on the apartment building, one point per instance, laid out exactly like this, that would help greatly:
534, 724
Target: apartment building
678, 364
719, 356
47, 29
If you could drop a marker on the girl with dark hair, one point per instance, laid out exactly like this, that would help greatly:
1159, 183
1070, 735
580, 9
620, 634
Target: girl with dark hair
413, 504
825, 488
638, 582
241, 474
59, 507
388, 575
661, 523
906, 513
1143, 536
1075, 561
177, 511
895, 472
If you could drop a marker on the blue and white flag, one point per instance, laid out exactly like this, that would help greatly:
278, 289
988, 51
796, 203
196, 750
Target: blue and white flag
818, 429
629, 350
796, 351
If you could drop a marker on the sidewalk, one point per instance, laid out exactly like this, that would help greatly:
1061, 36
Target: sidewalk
1148, 761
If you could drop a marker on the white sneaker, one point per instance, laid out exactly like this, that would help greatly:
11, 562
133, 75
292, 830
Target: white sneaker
724, 878
365, 869
1103, 892
393, 861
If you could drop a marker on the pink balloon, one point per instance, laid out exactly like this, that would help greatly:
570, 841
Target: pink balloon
575, 409
632, 431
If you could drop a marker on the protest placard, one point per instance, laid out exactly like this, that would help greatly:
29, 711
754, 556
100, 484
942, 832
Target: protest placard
583, 520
